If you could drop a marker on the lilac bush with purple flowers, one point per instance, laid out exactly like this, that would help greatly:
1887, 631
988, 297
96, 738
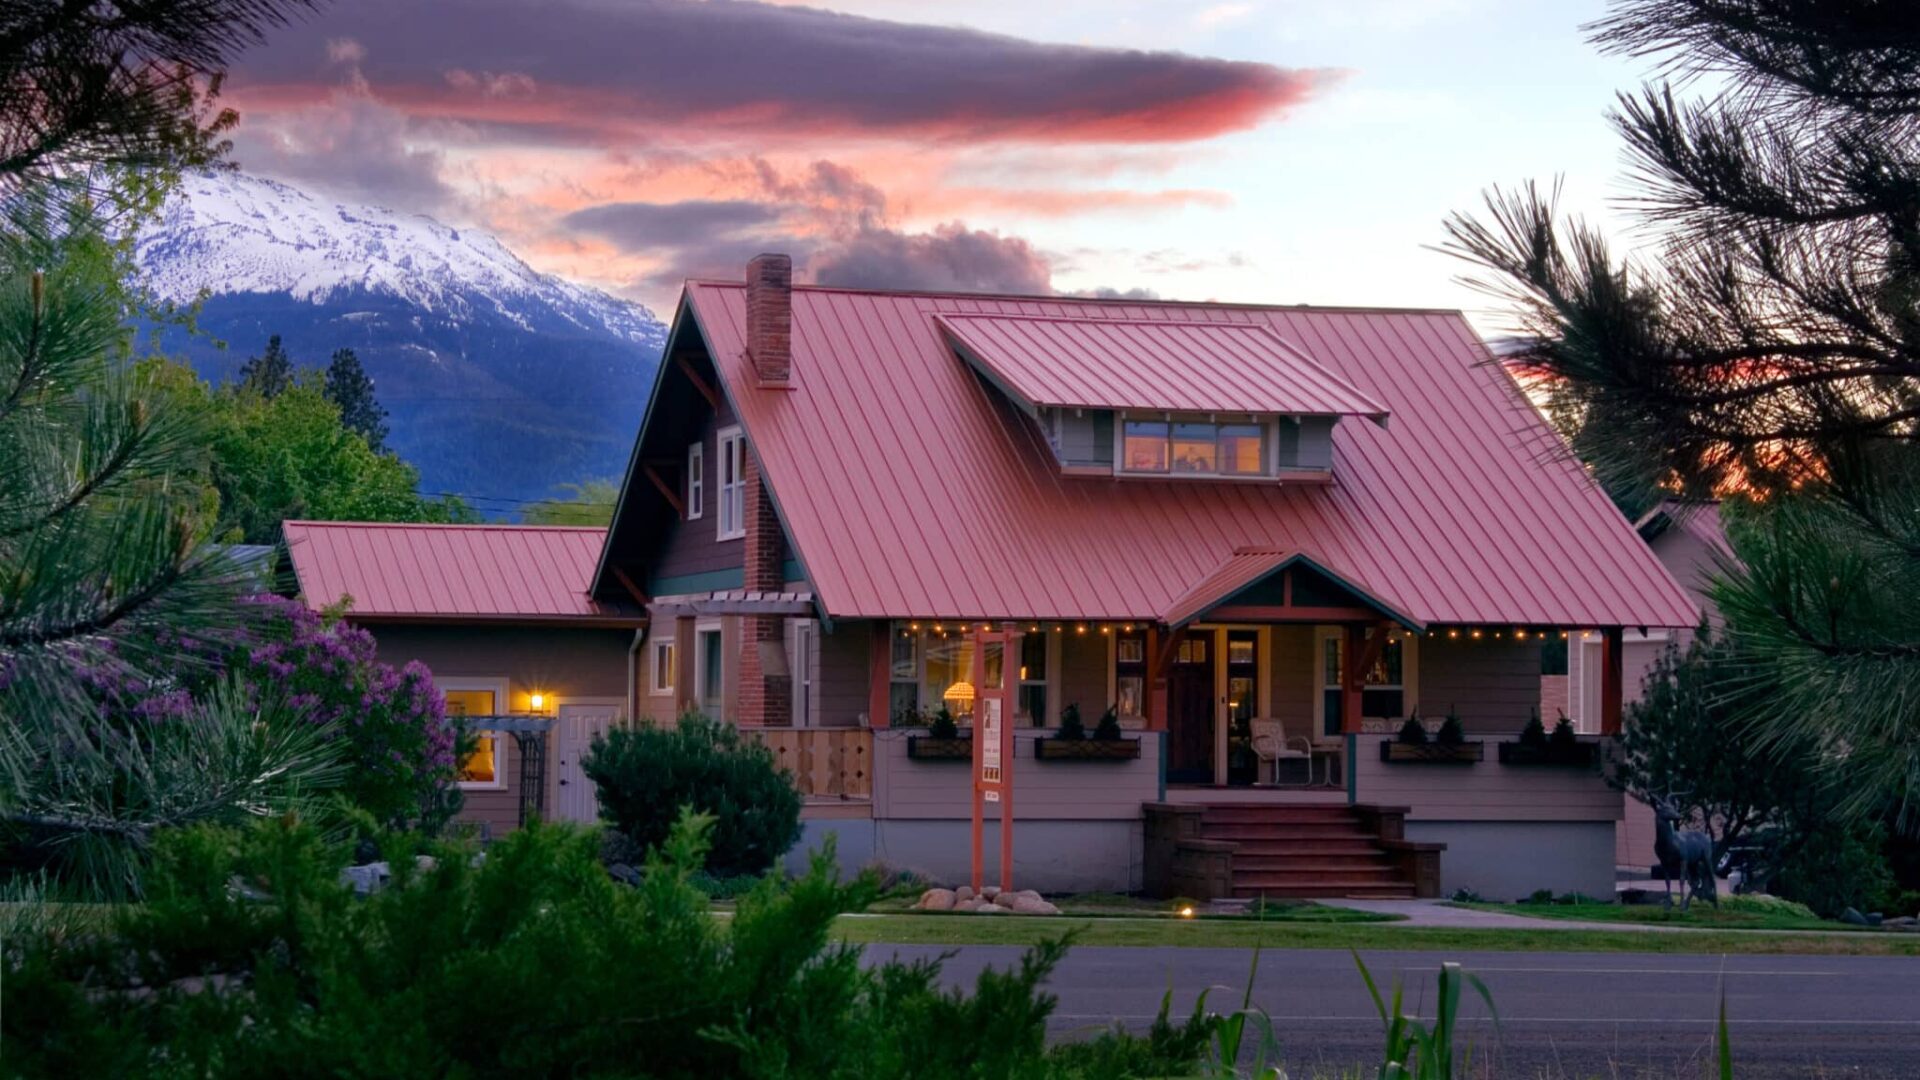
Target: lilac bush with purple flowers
401, 741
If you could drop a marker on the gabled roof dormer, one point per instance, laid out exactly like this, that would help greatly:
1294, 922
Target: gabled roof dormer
1161, 398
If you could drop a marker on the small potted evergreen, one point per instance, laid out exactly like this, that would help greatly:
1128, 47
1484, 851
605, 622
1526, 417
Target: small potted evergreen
1449, 745
1536, 747
943, 740
1071, 743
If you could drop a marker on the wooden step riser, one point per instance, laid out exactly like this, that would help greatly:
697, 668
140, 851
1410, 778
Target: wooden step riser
1256, 833
1277, 815
1404, 892
1270, 850
1294, 864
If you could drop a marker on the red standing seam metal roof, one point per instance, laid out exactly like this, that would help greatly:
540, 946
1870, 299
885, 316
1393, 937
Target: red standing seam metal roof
1154, 364
910, 488
451, 572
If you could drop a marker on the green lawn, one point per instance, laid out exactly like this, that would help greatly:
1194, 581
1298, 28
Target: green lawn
1704, 916
922, 929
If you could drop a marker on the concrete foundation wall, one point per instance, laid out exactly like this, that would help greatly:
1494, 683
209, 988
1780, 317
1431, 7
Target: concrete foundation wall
1507, 860
1051, 856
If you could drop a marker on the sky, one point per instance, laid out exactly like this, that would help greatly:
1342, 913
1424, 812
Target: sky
1269, 151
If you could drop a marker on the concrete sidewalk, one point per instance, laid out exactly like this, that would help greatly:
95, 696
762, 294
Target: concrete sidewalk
1441, 913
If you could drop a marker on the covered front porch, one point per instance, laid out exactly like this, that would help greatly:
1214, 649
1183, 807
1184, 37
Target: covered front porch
1265, 673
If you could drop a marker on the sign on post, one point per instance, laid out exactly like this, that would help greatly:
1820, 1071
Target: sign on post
993, 745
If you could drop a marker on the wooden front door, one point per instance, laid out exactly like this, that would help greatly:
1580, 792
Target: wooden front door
1190, 713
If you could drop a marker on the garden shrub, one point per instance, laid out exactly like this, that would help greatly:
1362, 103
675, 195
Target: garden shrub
1413, 732
1830, 867
1072, 728
646, 775
252, 959
400, 742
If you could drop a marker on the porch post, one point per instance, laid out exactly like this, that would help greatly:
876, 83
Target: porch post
683, 666
1352, 677
1612, 673
1156, 703
880, 675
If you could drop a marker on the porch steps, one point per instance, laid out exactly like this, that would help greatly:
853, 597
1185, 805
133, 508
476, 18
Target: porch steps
1304, 852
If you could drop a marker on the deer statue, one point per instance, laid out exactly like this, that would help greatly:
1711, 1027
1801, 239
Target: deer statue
1686, 855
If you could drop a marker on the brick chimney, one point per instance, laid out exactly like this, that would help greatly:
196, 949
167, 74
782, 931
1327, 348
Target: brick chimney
766, 680
770, 318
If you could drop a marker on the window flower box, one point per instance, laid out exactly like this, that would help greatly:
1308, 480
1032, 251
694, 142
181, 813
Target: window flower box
1580, 755
1047, 748
932, 748
1432, 753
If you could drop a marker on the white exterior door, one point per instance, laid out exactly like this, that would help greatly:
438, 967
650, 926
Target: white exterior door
578, 723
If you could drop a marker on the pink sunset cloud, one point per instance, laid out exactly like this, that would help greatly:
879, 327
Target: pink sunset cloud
640, 142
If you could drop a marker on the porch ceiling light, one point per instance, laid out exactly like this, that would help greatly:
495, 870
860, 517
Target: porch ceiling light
960, 693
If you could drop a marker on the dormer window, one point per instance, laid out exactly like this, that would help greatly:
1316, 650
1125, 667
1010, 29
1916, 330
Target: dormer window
1193, 446
1153, 397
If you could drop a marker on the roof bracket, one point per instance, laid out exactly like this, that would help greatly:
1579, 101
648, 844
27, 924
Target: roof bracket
666, 489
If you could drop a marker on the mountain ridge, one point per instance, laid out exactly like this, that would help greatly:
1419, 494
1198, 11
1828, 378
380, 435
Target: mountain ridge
502, 382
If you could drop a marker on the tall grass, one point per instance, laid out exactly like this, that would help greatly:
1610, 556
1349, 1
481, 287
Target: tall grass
1415, 1050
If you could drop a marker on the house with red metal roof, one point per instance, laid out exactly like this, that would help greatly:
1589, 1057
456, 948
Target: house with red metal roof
502, 617
1260, 539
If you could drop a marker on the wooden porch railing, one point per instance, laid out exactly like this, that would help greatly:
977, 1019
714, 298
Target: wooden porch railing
826, 763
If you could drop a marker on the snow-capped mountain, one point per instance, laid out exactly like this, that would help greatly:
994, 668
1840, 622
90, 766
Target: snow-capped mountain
502, 381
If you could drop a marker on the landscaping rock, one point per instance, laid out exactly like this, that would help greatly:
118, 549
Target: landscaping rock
624, 874
991, 909
936, 900
1031, 904
990, 891
964, 892
366, 879
1854, 918
969, 904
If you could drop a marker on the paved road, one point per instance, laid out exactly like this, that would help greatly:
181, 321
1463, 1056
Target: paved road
1614, 1015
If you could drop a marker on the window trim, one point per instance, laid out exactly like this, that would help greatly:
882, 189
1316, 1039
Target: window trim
696, 480
733, 452
1409, 686
503, 706
706, 633
658, 666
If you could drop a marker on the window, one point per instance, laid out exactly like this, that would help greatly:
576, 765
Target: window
712, 670
903, 698
1033, 678
1194, 446
1387, 684
933, 666
662, 667
1130, 674
485, 767
733, 484
696, 481
1243, 449
1144, 448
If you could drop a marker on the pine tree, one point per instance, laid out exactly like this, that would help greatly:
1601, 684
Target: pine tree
107, 581
270, 373
124, 86
1768, 351
351, 391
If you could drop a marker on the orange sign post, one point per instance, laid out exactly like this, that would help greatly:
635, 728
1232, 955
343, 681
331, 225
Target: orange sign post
993, 710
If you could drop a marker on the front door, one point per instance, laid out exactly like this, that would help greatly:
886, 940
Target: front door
578, 724
1190, 713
